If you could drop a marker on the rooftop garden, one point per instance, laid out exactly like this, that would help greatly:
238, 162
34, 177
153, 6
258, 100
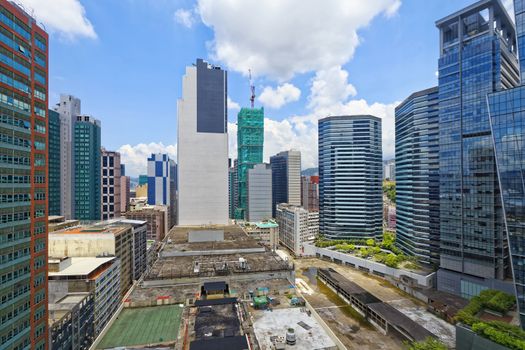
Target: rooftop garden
499, 332
384, 251
427, 344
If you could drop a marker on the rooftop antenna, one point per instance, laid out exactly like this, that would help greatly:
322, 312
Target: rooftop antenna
252, 88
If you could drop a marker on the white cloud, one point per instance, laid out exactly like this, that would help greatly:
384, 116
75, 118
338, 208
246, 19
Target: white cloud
136, 157
286, 37
276, 98
232, 105
65, 17
329, 87
184, 17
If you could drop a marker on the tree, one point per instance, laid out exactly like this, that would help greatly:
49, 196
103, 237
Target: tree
370, 242
428, 344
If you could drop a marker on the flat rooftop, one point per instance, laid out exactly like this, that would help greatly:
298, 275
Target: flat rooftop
82, 266
309, 333
92, 229
143, 326
234, 238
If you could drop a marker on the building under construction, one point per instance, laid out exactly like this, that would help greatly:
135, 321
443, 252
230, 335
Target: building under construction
250, 139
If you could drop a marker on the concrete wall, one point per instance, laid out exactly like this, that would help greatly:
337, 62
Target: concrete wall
81, 245
371, 266
466, 339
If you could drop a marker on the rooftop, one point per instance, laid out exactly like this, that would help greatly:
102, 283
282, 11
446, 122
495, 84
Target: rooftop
99, 228
266, 224
82, 266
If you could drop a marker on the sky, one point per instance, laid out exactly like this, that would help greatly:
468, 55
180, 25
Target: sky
309, 59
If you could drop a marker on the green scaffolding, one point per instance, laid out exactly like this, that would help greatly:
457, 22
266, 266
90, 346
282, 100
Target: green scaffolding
250, 139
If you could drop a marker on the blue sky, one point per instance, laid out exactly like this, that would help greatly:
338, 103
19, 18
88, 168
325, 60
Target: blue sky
125, 58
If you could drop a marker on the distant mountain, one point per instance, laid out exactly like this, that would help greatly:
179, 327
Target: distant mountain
310, 172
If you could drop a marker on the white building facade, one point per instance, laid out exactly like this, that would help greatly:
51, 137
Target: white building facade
259, 193
297, 226
202, 147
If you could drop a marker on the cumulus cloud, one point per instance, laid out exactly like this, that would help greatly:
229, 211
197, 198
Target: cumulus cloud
136, 156
65, 17
330, 86
288, 37
184, 17
276, 98
232, 105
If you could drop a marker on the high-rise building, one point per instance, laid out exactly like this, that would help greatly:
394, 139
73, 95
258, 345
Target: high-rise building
125, 195
111, 182
86, 155
53, 158
286, 178
259, 193
232, 190
350, 177
296, 226
24, 134
310, 192
389, 170
143, 180
203, 146
250, 140
417, 178
477, 57
68, 108
159, 179
507, 124
173, 193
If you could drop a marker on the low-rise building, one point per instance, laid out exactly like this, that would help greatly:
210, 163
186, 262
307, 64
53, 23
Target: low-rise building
296, 226
98, 276
156, 218
71, 320
101, 239
266, 232
57, 222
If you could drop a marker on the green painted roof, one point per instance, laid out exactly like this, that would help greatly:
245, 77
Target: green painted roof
266, 224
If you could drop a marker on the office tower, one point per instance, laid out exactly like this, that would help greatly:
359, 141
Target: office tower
159, 179
286, 178
296, 226
350, 174
173, 193
86, 155
23, 235
310, 192
389, 170
111, 182
417, 178
125, 195
477, 57
203, 146
259, 193
250, 139
143, 180
53, 158
68, 108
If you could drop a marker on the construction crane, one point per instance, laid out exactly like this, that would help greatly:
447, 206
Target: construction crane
252, 88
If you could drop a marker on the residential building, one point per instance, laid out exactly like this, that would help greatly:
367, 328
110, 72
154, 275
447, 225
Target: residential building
68, 109
86, 155
125, 193
389, 170
102, 239
477, 57
71, 320
53, 158
350, 177
259, 193
203, 146
286, 178
296, 226
417, 178
156, 219
23, 169
97, 276
310, 192
250, 140
111, 182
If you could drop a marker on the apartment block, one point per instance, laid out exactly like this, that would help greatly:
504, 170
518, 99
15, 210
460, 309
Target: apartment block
296, 226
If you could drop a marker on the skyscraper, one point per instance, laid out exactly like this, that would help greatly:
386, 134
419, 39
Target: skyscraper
417, 178
310, 192
24, 132
68, 108
250, 139
125, 188
159, 179
203, 146
232, 189
86, 155
53, 156
259, 193
477, 57
350, 174
111, 184
286, 178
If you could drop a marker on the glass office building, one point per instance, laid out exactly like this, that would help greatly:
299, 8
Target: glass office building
24, 180
54, 163
350, 177
417, 176
477, 57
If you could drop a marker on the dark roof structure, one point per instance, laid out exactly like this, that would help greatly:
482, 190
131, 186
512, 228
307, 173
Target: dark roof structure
230, 343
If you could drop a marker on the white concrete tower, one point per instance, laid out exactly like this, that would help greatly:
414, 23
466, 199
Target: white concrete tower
203, 146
